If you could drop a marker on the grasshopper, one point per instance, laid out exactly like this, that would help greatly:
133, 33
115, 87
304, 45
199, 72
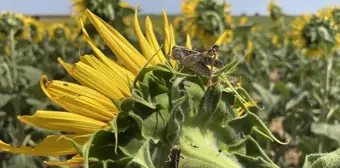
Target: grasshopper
198, 61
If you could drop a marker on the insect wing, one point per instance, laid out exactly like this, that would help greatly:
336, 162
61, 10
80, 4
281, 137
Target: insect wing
202, 68
211, 61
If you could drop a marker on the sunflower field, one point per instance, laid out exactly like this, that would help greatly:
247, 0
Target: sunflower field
111, 88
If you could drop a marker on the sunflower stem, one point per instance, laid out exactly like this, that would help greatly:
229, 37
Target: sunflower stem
15, 89
11, 43
328, 69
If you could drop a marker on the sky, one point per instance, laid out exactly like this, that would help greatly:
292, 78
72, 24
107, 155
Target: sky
292, 7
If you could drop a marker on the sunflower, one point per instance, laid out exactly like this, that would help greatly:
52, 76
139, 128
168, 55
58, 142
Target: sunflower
33, 29
311, 32
243, 20
89, 106
333, 12
275, 40
275, 12
179, 24
10, 21
206, 19
59, 31
101, 8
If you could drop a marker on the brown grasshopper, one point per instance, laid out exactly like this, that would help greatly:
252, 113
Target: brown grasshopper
198, 61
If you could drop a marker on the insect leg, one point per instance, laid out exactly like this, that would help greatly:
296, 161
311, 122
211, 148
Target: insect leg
213, 50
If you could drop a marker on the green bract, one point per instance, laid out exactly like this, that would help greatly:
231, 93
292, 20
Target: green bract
170, 110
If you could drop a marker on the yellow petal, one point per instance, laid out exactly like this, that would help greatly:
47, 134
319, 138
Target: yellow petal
90, 77
243, 20
188, 42
79, 99
121, 84
123, 50
241, 110
172, 36
52, 145
167, 38
74, 161
119, 71
150, 36
226, 34
125, 5
143, 43
172, 42
63, 121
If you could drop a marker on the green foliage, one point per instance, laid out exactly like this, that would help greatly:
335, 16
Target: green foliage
323, 160
22, 62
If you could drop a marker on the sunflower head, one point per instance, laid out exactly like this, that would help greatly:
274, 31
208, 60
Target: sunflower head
275, 40
33, 29
332, 12
179, 23
206, 19
275, 11
11, 22
108, 10
335, 14
211, 16
313, 33
59, 31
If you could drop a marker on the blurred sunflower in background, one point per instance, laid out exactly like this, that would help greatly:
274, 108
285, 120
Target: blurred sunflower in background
11, 22
59, 31
33, 29
333, 12
275, 11
114, 12
206, 19
312, 33
278, 38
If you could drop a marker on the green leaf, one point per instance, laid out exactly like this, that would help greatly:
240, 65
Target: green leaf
331, 131
173, 128
209, 103
137, 96
253, 149
5, 98
114, 164
143, 157
25, 161
154, 125
296, 100
119, 124
176, 90
250, 162
30, 73
267, 97
250, 122
144, 71
100, 146
128, 144
323, 160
